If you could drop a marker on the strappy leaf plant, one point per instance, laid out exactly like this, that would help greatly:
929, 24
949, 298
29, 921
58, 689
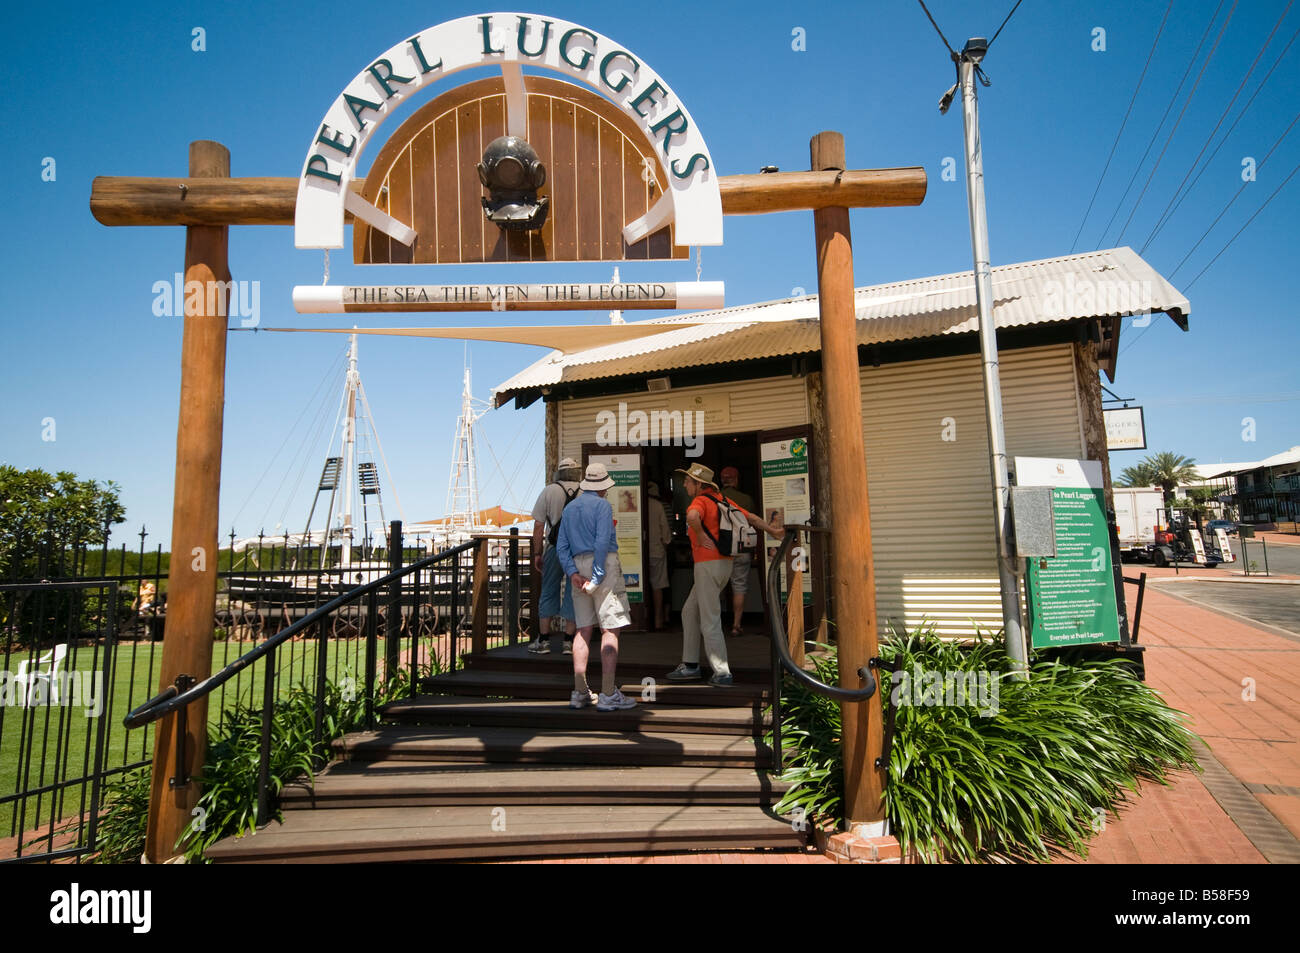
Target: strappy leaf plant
1013, 770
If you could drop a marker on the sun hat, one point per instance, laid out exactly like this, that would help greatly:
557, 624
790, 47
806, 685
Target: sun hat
597, 478
565, 466
700, 473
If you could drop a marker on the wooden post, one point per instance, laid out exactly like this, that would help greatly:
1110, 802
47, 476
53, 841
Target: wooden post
192, 577
479, 610
851, 563
794, 632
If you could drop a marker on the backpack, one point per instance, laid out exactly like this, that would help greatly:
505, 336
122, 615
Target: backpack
735, 535
555, 530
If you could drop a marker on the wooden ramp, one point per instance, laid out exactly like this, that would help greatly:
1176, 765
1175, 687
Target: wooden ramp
491, 763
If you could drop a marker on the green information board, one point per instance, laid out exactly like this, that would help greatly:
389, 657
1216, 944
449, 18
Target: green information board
1071, 595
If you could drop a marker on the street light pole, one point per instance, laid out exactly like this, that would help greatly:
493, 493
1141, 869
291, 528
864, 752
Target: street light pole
967, 65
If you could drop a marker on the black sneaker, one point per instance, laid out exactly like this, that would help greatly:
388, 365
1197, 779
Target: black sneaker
684, 673
721, 681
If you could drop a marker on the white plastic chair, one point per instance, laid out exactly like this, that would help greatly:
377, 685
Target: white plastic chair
49, 678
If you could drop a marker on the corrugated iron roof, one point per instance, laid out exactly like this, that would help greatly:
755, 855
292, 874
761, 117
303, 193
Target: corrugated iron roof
1113, 282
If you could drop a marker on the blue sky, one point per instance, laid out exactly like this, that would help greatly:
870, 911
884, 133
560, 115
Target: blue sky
120, 91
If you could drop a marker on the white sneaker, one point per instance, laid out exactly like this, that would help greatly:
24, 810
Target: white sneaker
615, 702
579, 699
540, 646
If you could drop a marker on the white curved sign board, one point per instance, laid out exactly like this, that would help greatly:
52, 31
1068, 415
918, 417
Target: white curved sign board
508, 40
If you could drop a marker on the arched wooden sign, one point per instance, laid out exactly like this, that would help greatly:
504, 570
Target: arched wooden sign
593, 146
601, 176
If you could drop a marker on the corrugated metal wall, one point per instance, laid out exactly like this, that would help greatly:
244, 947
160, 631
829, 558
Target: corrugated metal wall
928, 473
931, 501
755, 405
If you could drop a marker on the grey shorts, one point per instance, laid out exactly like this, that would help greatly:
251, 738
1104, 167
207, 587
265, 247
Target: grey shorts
659, 572
740, 572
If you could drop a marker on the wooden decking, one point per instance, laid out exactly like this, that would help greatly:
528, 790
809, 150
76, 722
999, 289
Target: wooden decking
491, 763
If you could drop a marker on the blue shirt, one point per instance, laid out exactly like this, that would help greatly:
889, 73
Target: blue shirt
588, 527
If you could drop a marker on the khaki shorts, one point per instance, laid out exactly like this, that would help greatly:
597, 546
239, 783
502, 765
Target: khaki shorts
740, 572
608, 605
659, 572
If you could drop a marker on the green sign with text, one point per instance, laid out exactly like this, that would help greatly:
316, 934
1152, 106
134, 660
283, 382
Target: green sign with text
1071, 595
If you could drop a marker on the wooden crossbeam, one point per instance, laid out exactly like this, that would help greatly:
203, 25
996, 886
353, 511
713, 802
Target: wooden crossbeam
134, 200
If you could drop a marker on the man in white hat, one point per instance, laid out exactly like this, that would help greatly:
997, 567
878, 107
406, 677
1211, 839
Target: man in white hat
556, 597
702, 612
588, 551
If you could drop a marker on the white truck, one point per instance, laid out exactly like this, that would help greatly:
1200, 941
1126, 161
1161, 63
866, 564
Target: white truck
1136, 514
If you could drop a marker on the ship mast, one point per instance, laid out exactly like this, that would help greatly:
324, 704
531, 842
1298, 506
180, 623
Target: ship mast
462, 484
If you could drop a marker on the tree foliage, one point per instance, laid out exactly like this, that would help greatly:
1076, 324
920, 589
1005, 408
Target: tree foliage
1165, 470
46, 518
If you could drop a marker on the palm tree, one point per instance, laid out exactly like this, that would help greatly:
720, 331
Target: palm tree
1165, 470
1139, 475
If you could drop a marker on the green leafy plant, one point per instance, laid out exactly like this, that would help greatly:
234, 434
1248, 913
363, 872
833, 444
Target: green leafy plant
1028, 766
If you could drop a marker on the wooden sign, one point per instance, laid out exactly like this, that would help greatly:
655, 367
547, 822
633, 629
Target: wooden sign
574, 296
595, 146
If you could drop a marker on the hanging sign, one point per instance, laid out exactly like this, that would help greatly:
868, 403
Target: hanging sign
1125, 428
513, 173
571, 296
1072, 594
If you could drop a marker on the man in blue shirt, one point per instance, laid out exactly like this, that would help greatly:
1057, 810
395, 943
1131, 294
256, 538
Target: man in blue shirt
588, 551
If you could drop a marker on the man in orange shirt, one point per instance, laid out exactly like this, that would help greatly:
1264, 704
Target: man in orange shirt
702, 612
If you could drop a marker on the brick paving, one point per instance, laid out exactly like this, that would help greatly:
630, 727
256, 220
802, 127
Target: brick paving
1240, 685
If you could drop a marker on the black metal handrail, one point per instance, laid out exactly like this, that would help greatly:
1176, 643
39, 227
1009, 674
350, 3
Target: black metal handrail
172, 698
780, 638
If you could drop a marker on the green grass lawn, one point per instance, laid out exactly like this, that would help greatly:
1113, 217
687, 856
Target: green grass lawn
64, 734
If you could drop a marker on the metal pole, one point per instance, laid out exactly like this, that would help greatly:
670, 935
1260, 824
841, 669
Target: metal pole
979, 234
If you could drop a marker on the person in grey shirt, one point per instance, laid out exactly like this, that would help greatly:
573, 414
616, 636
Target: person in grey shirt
556, 597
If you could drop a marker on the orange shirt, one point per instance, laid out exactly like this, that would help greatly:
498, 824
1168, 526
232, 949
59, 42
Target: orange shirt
708, 511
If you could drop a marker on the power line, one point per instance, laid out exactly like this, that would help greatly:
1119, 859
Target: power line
1183, 112
1115, 144
1234, 198
1156, 131
1167, 213
1004, 23
1216, 221
1227, 135
947, 45
1248, 221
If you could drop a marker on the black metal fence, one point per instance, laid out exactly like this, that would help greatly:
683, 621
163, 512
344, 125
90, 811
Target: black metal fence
78, 654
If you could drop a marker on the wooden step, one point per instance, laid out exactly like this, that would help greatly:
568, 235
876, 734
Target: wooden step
387, 834
542, 746
557, 687
452, 711
655, 657
361, 784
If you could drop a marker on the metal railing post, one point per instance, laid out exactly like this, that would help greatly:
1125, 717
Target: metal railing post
264, 750
393, 617
512, 588
322, 650
372, 652
453, 617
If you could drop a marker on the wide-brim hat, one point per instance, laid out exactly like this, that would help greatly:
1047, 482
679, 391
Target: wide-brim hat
597, 478
700, 473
